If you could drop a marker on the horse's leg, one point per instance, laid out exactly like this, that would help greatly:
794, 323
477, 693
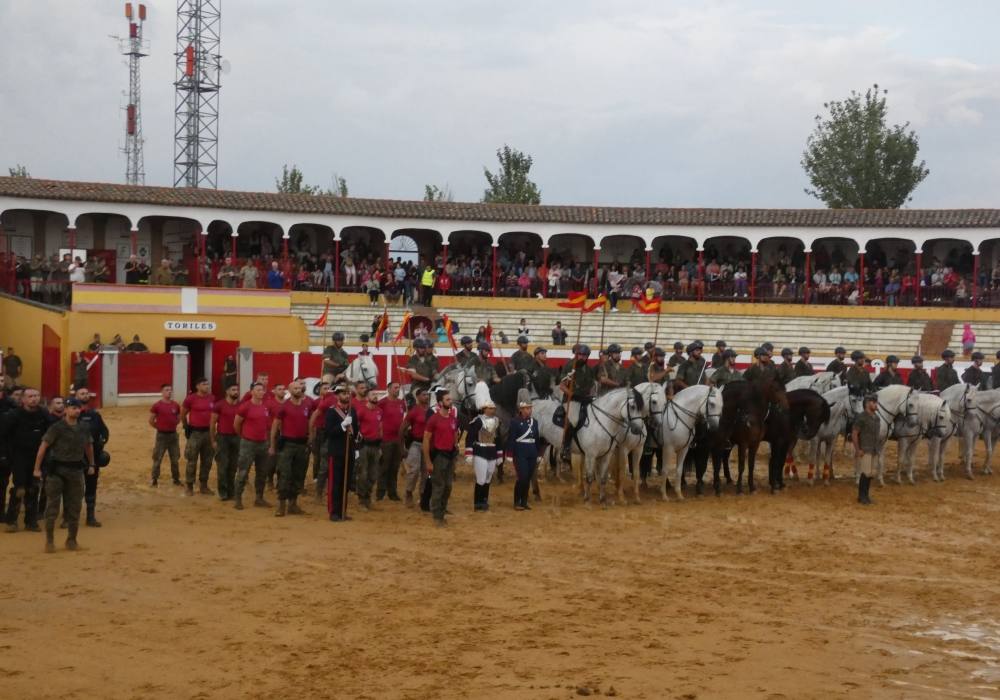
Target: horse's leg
968, 444
988, 440
814, 447
636, 460
716, 467
700, 466
751, 463
603, 465
828, 448
666, 451
741, 452
790, 468
902, 454
881, 465
587, 476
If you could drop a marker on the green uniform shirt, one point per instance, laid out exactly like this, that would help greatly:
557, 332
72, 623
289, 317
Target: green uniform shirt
584, 381
464, 357
761, 373
887, 378
725, 375
975, 376
837, 366
690, 371
867, 426
637, 373
786, 372
425, 365
484, 370
335, 360
717, 360
657, 374
522, 359
920, 380
67, 443
542, 378
610, 370
675, 359
803, 369
858, 380
946, 377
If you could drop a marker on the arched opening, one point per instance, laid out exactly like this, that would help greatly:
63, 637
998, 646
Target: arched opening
988, 282
780, 273
946, 274
311, 254
31, 262
674, 261
835, 275
219, 241
362, 255
469, 268
521, 255
173, 249
571, 263
892, 266
727, 268
404, 250
110, 245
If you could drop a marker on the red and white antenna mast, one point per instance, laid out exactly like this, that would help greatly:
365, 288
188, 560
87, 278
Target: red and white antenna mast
135, 167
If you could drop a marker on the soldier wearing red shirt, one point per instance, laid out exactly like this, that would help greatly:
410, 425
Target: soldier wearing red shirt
164, 415
393, 411
253, 419
370, 454
360, 397
225, 442
412, 431
196, 416
273, 401
262, 379
317, 435
292, 448
440, 449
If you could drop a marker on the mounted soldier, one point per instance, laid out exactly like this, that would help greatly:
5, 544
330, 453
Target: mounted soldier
919, 380
859, 382
945, 375
611, 374
803, 368
422, 366
678, 356
638, 369
837, 365
335, 358
786, 370
764, 370
691, 372
521, 358
580, 383
485, 372
658, 370
717, 357
726, 373
541, 375
466, 354
890, 375
974, 373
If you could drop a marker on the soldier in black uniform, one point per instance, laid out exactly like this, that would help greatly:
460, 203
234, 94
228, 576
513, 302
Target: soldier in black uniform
919, 380
584, 384
803, 368
945, 375
99, 433
717, 359
522, 359
888, 376
610, 373
974, 373
678, 356
859, 382
23, 429
786, 370
837, 365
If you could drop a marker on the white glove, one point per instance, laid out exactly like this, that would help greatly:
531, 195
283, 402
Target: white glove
346, 423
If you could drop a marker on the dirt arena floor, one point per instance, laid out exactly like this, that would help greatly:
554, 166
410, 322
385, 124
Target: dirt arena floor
802, 595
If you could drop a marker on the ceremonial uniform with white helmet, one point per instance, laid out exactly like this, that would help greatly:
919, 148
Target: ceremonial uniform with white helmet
481, 438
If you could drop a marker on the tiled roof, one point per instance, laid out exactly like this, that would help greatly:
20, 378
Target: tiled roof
502, 213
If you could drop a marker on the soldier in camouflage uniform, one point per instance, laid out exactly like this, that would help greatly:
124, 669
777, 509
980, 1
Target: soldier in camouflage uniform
918, 379
657, 372
786, 370
521, 358
638, 370
726, 373
466, 354
837, 364
803, 368
335, 358
610, 373
888, 376
678, 356
859, 382
945, 375
691, 372
717, 359
422, 366
580, 383
974, 373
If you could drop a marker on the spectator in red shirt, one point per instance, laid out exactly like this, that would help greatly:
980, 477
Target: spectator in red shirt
370, 453
253, 418
196, 417
317, 435
225, 442
393, 410
292, 448
440, 449
164, 415
412, 431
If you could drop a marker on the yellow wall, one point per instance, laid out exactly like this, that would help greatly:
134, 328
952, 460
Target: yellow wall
21, 328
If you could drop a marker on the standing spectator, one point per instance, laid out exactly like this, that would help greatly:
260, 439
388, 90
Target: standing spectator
559, 334
275, 278
327, 279
144, 271
12, 366
968, 339
163, 275
136, 345
249, 274
228, 274
427, 285
374, 288
132, 270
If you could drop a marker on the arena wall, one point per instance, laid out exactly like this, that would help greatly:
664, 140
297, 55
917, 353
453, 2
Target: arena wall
22, 326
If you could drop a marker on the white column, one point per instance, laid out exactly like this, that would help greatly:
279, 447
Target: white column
181, 371
244, 369
109, 375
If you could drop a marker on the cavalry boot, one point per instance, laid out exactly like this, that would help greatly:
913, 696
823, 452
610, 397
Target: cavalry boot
486, 496
517, 496
280, 513
863, 486
476, 496
50, 540
293, 506
204, 490
91, 518
238, 500
189, 489
13, 511
260, 502
868, 488
71, 539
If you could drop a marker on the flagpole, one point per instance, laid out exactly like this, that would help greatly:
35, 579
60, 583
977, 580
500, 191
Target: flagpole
604, 316
656, 331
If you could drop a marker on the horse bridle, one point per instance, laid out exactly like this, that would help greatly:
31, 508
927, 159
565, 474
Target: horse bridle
906, 410
626, 422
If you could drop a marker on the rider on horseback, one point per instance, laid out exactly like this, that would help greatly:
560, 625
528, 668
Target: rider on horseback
579, 384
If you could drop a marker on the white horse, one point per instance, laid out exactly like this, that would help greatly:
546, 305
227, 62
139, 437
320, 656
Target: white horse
362, 369
969, 424
631, 446
934, 423
462, 383
987, 407
896, 409
822, 445
677, 426
821, 382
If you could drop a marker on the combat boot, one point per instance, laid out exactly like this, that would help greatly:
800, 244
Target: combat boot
71, 539
260, 502
204, 490
50, 540
864, 486
293, 506
238, 500
280, 513
189, 489
91, 518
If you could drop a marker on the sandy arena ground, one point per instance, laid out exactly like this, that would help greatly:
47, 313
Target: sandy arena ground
803, 595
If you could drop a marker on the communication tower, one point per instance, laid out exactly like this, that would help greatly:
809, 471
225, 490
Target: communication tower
135, 166
196, 112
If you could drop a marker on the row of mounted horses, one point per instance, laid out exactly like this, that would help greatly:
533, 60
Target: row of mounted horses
702, 423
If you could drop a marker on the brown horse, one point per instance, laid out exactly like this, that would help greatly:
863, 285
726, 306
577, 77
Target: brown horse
746, 410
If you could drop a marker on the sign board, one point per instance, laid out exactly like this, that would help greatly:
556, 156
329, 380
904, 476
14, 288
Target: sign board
196, 326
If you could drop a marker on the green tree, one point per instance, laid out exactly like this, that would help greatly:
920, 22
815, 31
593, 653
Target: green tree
339, 188
510, 184
433, 193
19, 171
290, 182
855, 161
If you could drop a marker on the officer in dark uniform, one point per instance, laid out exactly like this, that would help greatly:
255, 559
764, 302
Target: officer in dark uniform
764, 370
335, 358
803, 368
542, 376
717, 359
466, 354
342, 437
678, 356
918, 379
786, 370
996, 373
581, 384
726, 373
945, 375
23, 428
974, 373
521, 358
637, 369
888, 376
691, 372
99, 433
611, 374
859, 382
837, 365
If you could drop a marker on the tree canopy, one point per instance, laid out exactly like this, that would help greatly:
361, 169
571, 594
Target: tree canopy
855, 161
291, 182
19, 171
433, 193
510, 184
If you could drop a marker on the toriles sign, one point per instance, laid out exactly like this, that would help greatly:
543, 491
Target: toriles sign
189, 325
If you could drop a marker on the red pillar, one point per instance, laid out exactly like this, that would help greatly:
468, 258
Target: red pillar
975, 279
71, 235
545, 264
286, 264
385, 267
134, 238
808, 276
701, 275
861, 278
597, 252
336, 264
199, 259
753, 276
648, 268
920, 276
494, 273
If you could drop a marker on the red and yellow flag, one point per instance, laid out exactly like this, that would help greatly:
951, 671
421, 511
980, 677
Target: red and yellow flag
383, 324
404, 327
648, 306
321, 321
594, 305
575, 300
449, 332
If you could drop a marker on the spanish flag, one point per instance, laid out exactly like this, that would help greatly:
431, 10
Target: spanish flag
404, 327
594, 305
321, 321
575, 300
448, 331
648, 306
383, 324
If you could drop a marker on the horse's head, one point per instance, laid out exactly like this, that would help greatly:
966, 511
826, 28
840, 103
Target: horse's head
774, 392
713, 408
911, 413
943, 425
815, 412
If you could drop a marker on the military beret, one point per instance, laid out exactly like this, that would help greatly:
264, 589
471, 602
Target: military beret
786, 352
857, 355
892, 358
839, 350
540, 349
917, 359
613, 348
636, 351
678, 345
720, 343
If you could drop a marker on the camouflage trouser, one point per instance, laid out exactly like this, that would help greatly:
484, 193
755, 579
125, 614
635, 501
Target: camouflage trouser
414, 465
63, 485
293, 461
226, 459
252, 452
167, 443
198, 448
366, 471
321, 467
388, 475
441, 480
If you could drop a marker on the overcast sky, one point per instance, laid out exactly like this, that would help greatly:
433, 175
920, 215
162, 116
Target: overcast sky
630, 102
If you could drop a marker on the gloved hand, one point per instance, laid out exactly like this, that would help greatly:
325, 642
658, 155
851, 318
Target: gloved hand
346, 423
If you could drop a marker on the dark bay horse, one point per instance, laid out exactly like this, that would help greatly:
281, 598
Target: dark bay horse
747, 408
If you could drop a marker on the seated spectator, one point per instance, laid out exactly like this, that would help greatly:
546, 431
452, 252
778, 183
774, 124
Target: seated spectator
780, 283
524, 284
523, 329
135, 346
961, 293
740, 282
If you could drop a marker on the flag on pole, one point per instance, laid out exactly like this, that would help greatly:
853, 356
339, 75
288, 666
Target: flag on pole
321, 321
449, 332
588, 306
404, 327
575, 300
648, 306
383, 324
